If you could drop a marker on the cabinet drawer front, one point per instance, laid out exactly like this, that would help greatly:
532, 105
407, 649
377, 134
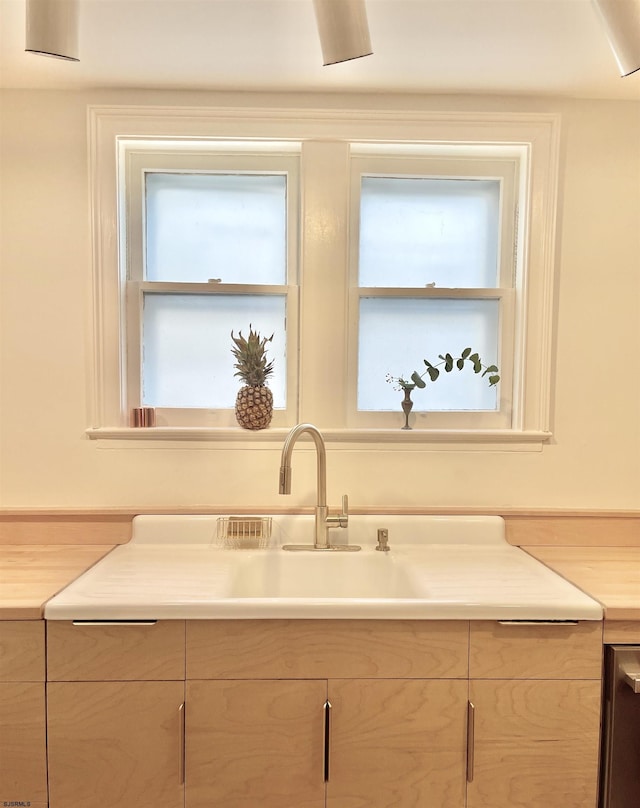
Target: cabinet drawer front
311, 649
23, 756
115, 652
513, 651
22, 651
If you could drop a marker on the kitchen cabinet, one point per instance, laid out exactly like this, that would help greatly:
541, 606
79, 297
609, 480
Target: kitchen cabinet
255, 743
315, 713
535, 692
115, 713
23, 769
396, 743
369, 714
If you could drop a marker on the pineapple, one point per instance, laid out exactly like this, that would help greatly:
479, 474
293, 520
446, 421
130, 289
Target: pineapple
254, 402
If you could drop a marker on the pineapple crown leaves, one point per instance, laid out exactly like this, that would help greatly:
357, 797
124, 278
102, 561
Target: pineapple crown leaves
449, 362
251, 363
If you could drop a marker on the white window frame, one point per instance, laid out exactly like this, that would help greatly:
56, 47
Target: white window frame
535, 136
211, 158
505, 166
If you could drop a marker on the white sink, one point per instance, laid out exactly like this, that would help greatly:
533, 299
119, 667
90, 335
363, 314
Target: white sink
439, 567
324, 574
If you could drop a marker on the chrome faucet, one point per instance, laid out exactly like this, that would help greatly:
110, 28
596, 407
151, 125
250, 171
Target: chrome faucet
323, 522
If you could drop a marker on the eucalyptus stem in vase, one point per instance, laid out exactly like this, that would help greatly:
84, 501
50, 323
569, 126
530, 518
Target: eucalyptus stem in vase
433, 371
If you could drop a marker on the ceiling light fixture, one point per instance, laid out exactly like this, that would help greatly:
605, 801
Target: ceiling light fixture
52, 28
621, 20
343, 30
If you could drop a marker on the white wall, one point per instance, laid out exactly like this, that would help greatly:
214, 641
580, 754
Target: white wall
46, 460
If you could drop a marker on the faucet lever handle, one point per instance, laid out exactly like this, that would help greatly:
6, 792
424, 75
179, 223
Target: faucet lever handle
344, 516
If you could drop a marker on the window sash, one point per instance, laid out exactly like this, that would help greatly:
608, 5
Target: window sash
416, 165
276, 159
197, 416
499, 419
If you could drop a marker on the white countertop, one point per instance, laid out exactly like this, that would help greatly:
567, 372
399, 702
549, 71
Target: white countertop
459, 568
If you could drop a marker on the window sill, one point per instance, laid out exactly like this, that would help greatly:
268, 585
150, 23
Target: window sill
411, 439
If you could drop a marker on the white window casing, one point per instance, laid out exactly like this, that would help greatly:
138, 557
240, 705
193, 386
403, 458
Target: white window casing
331, 147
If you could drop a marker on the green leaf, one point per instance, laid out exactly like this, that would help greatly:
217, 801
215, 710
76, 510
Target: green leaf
466, 353
427, 363
493, 380
433, 373
490, 369
448, 363
460, 363
417, 379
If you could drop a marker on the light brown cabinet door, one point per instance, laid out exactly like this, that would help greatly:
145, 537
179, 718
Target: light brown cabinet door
397, 743
535, 744
23, 757
115, 744
255, 743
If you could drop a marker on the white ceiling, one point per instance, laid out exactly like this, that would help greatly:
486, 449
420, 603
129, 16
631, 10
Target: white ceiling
531, 47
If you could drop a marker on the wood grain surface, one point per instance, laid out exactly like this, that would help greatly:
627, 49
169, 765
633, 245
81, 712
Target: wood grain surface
30, 575
122, 652
611, 575
535, 652
311, 649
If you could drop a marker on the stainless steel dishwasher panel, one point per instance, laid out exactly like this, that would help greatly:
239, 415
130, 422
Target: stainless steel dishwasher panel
620, 777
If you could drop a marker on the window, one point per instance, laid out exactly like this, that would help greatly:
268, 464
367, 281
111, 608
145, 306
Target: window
433, 272
365, 242
211, 250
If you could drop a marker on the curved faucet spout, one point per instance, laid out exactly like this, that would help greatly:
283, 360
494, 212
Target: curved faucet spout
323, 521
285, 462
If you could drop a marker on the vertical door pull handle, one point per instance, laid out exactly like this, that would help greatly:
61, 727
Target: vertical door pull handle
471, 717
327, 739
181, 744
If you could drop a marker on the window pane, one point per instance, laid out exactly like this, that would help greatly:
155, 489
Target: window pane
227, 226
419, 231
396, 334
187, 359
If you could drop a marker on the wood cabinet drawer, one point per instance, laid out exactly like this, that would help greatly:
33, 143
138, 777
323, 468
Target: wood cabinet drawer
513, 651
314, 649
115, 652
22, 651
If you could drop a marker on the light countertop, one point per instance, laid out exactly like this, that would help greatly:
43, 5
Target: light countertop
611, 575
31, 574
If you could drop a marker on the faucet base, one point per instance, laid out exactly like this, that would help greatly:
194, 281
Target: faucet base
340, 548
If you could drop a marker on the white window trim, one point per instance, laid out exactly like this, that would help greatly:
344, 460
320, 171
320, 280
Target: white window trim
474, 164
535, 134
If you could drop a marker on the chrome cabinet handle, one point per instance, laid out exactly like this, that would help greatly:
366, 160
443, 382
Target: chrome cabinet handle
471, 729
327, 739
181, 743
114, 622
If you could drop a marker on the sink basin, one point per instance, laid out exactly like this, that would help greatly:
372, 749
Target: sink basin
438, 568
324, 574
